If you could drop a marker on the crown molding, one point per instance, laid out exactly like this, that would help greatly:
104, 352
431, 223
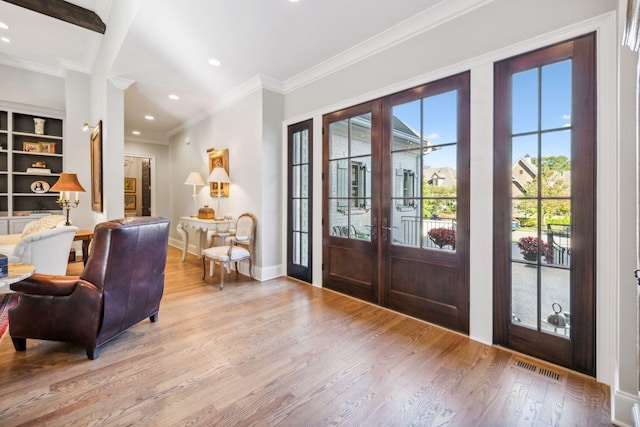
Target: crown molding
120, 82
252, 85
407, 29
32, 66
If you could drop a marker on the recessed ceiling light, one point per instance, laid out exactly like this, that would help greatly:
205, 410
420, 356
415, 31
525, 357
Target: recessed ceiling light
149, 117
4, 26
135, 132
174, 97
294, 1
215, 62
5, 39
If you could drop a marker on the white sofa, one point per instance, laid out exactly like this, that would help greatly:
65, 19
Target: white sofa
45, 243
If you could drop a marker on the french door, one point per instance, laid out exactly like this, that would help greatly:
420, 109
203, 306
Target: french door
300, 201
396, 202
544, 195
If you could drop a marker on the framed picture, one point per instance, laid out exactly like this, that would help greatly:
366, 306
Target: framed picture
219, 158
31, 147
129, 185
129, 201
96, 168
47, 147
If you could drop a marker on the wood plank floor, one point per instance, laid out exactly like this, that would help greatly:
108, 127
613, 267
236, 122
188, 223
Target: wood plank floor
284, 353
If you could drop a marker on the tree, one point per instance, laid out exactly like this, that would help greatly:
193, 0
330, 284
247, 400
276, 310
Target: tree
552, 185
438, 200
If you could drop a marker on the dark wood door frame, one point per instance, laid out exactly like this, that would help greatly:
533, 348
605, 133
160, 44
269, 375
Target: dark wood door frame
578, 352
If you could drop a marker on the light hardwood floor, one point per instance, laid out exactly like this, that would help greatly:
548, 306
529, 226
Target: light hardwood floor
285, 353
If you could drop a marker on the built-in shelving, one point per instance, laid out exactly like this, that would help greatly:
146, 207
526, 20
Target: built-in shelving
21, 149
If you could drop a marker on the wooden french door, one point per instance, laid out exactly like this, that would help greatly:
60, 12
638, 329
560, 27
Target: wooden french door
544, 212
396, 202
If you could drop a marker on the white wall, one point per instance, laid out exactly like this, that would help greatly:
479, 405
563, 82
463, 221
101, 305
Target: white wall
28, 87
238, 127
77, 142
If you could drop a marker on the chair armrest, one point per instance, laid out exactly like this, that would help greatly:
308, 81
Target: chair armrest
44, 284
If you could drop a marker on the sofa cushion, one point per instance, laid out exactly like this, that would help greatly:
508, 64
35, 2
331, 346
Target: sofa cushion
44, 223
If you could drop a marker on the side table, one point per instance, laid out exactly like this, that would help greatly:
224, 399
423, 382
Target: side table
17, 272
85, 236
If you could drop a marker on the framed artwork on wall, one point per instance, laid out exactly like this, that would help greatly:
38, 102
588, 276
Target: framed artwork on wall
219, 158
129, 185
130, 201
96, 168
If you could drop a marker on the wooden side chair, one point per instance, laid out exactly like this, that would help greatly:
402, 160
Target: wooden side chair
240, 247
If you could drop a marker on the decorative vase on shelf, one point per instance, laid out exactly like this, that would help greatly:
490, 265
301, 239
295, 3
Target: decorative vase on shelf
39, 126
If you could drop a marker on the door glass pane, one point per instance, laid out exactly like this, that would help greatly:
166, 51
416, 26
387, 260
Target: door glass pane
304, 141
524, 101
406, 223
406, 126
556, 95
360, 139
339, 178
440, 114
557, 231
406, 174
338, 138
295, 148
295, 178
439, 231
556, 163
295, 215
525, 245
524, 159
524, 294
304, 249
295, 250
304, 181
555, 300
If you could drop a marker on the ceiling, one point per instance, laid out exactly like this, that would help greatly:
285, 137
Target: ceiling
169, 43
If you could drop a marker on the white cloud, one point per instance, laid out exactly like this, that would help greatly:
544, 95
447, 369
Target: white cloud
566, 116
433, 136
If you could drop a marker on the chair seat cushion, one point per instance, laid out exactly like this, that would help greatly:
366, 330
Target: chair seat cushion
221, 253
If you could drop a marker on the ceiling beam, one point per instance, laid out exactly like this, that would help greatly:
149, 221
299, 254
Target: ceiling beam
64, 11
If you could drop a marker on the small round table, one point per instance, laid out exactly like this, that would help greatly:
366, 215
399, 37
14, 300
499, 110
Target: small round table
17, 272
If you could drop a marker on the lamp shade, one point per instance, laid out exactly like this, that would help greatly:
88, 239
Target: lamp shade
67, 182
218, 174
194, 178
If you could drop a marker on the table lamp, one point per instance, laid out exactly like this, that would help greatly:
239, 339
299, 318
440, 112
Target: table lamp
218, 175
67, 183
194, 179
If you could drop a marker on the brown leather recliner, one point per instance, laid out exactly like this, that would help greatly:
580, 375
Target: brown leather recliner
121, 285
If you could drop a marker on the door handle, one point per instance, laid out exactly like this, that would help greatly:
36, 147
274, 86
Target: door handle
385, 229
373, 229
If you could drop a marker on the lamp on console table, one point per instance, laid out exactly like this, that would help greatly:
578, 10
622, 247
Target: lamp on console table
194, 179
67, 183
218, 175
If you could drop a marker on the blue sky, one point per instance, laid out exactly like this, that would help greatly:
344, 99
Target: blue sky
439, 115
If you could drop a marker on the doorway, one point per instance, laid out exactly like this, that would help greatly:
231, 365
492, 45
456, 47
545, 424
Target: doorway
396, 202
137, 185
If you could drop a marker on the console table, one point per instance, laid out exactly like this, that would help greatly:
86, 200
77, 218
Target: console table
217, 227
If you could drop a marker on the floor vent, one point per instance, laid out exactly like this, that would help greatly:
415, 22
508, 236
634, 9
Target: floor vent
534, 368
